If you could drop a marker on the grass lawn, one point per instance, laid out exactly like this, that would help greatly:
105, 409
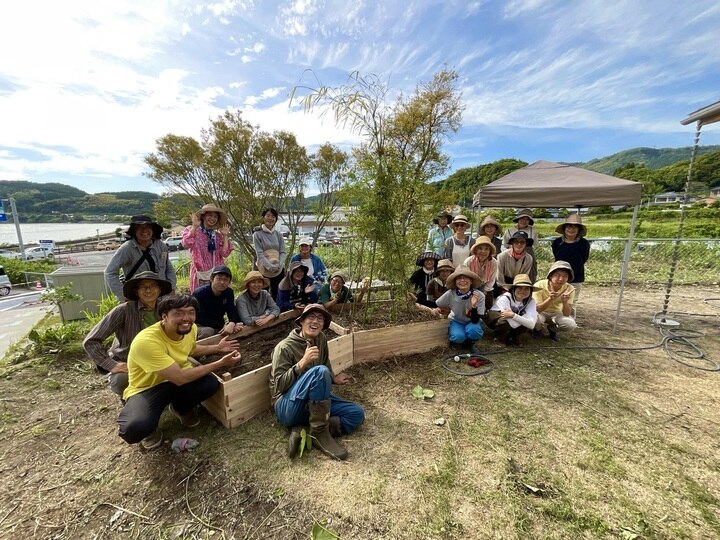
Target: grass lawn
559, 441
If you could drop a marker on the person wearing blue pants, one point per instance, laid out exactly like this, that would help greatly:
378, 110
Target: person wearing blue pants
467, 304
300, 384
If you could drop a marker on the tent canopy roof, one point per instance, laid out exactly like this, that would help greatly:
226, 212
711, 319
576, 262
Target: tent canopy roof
545, 184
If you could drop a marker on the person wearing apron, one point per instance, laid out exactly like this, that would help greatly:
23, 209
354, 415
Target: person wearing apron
457, 247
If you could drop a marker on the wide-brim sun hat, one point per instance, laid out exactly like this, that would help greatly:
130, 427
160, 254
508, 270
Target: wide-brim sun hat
273, 256
294, 266
525, 212
483, 241
426, 255
572, 219
252, 276
463, 270
444, 214
523, 280
222, 215
459, 219
144, 220
130, 286
562, 265
521, 235
445, 264
318, 308
489, 220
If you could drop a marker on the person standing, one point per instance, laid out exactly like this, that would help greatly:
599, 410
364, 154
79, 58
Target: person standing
208, 241
515, 260
457, 247
216, 301
492, 229
483, 263
524, 223
160, 374
571, 246
270, 250
439, 234
142, 252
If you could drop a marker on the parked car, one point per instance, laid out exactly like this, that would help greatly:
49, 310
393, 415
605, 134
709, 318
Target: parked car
106, 245
5, 285
7, 254
35, 253
174, 243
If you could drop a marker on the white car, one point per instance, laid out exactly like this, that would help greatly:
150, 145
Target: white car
35, 253
5, 285
174, 243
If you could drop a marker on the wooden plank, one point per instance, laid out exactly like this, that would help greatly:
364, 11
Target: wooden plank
240, 386
248, 331
339, 330
381, 343
341, 353
250, 395
216, 407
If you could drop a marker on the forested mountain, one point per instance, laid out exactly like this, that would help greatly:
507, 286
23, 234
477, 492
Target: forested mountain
652, 158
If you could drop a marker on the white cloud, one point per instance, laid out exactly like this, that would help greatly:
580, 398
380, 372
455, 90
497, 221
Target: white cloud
266, 94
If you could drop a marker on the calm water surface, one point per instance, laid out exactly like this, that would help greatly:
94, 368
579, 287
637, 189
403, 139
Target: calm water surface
32, 233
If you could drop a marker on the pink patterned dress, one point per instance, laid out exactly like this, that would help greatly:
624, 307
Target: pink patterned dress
201, 259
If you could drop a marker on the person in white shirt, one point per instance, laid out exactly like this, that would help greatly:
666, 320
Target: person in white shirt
513, 312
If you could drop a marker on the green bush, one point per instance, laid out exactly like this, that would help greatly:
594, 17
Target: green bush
57, 337
14, 268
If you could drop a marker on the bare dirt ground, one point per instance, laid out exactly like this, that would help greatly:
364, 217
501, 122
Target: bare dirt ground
558, 441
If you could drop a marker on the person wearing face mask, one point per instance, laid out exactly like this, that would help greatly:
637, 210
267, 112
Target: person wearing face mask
270, 250
142, 252
554, 298
300, 385
572, 247
125, 322
514, 312
255, 306
208, 241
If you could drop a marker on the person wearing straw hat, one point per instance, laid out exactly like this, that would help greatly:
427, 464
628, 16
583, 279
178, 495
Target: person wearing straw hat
513, 312
492, 229
483, 263
316, 268
439, 234
270, 250
515, 260
467, 305
125, 322
554, 298
160, 374
525, 223
208, 241
143, 251
457, 247
335, 294
436, 288
422, 277
301, 379
216, 302
255, 306
571, 246
297, 289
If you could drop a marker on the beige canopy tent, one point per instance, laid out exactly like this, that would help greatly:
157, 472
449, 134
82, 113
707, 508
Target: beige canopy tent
545, 184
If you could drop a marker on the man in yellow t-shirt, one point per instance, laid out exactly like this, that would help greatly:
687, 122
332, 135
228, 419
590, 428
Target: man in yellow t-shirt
554, 299
160, 374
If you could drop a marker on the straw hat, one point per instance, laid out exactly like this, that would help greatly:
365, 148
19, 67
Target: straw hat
252, 276
525, 212
523, 280
459, 219
562, 265
483, 241
222, 215
463, 270
273, 256
426, 255
445, 264
130, 286
489, 220
572, 219
318, 308
521, 235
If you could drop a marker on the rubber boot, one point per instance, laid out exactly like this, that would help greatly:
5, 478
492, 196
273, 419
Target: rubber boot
335, 427
319, 429
294, 441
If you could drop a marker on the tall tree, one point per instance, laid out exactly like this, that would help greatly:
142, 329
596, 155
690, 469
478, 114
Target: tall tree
330, 170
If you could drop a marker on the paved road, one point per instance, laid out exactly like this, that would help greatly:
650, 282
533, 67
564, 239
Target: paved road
20, 311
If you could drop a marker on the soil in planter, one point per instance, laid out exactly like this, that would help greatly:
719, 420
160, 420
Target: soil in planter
257, 349
379, 317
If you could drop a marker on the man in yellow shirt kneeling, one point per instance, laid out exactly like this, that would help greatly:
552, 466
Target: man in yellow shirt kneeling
160, 374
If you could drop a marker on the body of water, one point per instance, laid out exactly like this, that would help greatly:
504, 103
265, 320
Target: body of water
32, 233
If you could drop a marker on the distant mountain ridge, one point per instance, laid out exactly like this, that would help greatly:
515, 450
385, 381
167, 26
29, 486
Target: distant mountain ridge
652, 158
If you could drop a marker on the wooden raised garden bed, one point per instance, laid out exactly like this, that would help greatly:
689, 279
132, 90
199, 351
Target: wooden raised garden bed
242, 397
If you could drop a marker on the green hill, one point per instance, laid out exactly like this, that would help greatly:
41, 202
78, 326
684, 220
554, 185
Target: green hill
652, 158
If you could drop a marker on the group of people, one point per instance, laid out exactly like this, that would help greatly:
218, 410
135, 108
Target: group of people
492, 279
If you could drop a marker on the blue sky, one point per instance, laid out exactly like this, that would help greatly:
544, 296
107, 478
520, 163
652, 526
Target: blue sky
86, 87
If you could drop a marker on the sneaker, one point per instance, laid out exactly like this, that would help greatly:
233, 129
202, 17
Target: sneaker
189, 419
153, 440
554, 335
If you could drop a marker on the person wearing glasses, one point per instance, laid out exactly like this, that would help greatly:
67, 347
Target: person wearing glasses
301, 378
457, 247
125, 322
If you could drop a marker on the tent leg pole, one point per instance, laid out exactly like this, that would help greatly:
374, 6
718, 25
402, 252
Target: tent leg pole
626, 263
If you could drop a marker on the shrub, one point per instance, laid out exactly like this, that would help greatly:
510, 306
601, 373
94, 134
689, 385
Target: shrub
15, 268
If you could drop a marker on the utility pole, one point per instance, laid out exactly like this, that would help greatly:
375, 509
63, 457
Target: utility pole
13, 208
